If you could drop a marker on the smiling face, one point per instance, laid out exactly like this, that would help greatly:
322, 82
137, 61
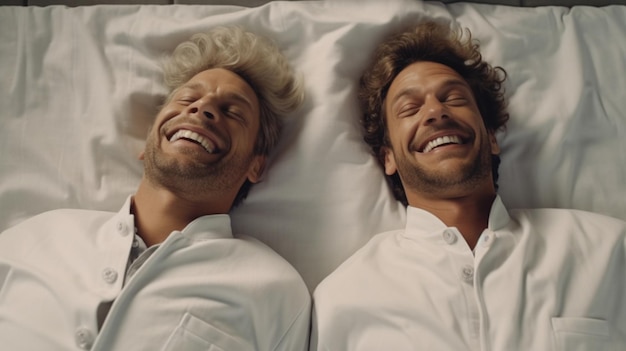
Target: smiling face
203, 138
439, 144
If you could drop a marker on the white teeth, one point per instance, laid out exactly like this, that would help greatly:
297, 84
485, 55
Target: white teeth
452, 139
187, 134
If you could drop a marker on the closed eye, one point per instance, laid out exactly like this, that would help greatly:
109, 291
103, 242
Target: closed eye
186, 101
234, 112
456, 100
408, 110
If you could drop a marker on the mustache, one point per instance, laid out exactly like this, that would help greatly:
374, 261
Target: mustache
446, 124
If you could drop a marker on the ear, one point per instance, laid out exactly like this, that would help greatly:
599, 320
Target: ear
495, 148
390, 161
257, 167
141, 155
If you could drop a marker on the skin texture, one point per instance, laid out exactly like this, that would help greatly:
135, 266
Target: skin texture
182, 180
427, 100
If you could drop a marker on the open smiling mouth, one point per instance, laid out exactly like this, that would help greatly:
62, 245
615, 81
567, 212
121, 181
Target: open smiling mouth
441, 141
196, 138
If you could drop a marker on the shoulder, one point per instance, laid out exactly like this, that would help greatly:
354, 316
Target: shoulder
59, 218
271, 283
361, 280
61, 224
571, 230
266, 265
362, 266
260, 254
584, 221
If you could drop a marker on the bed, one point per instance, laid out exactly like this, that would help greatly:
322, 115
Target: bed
80, 86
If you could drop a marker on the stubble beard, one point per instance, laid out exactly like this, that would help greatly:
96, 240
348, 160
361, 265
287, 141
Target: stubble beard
424, 181
193, 178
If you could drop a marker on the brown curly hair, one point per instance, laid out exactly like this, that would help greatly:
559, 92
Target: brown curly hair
435, 42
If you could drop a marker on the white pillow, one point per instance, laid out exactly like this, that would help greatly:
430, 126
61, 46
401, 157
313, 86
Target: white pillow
80, 88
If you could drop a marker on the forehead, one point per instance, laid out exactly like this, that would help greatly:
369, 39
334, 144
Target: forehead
424, 76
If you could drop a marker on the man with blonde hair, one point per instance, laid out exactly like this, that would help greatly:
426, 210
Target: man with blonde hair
166, 272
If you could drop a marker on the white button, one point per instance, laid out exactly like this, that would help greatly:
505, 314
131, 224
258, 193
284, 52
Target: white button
488, 239
83, 338
467, 273
122, 228
449, 237
109, 275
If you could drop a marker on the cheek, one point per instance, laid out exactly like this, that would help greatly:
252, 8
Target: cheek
396, 143
402, 134
242, 140
153, 133
163, 117
169, 110
254, 133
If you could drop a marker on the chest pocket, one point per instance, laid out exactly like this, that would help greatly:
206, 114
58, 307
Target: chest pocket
194, 334
580, 334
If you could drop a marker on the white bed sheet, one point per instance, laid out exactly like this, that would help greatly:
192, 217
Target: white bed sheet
80, 86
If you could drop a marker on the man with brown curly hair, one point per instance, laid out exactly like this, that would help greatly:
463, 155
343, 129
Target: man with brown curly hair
465, 273
166, 272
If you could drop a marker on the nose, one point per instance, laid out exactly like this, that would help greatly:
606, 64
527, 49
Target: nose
203, 107
434, 109
209, 115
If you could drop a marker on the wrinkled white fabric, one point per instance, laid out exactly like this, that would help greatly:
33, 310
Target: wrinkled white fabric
80, 88
201, 289
548, 279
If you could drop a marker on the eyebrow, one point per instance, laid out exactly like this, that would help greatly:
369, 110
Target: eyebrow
229, 95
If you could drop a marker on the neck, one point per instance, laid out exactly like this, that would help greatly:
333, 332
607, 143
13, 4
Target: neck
469, 213
159, 211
